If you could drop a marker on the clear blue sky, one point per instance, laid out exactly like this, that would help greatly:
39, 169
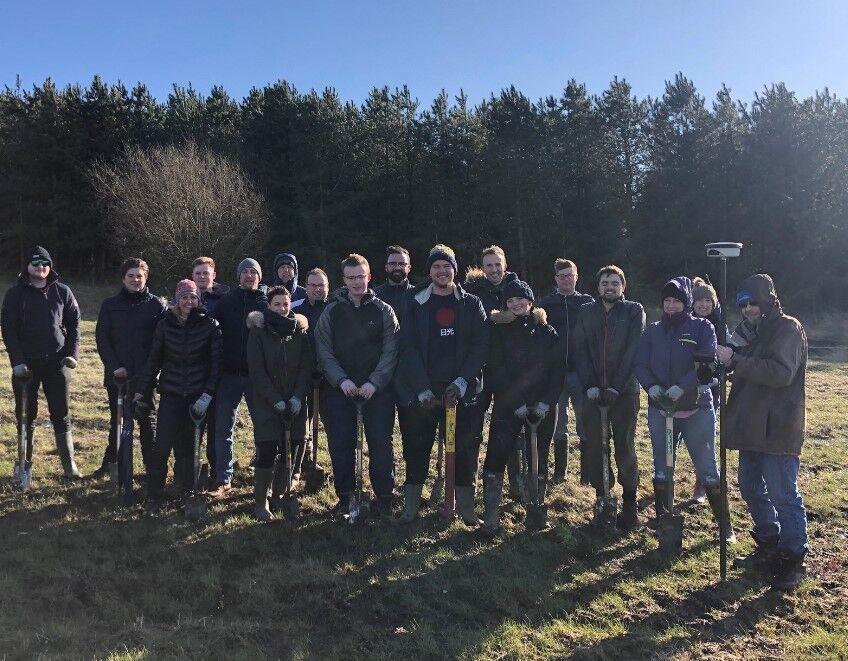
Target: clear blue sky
478, 46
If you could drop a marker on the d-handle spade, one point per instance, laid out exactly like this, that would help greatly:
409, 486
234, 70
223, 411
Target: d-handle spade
609, 503
195, 508
114, 477
537, 511
438, 491
669, 524
22, 472
358, 508
448, 510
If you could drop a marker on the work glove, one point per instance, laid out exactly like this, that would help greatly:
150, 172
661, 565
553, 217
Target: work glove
428, 399
294, 406
541, 409
120, 374
201, 404
656, 392
674, 393
704, 373
280, 407
460, 385
70, 362
610, 395
367, 390
522, 411
348, 387
20, 371
594, 394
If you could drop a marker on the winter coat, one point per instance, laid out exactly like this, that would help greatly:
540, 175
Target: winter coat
312, 314
210, 299
491, 296
124, 332
766, 407
605, 344
523, 367
186, 357
562, 314
357, 343
666, 357
394, 295
232, 314
39, 323
280, 359
298, 292
472, 344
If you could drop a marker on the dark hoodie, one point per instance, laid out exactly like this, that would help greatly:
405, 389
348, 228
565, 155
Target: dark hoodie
667, 349
210, 299
766, 408
40, 323
297, 291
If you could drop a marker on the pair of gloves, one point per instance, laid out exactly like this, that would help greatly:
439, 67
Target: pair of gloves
22, 371
539, 409
610, 395
292, 406
658, 392
453, 393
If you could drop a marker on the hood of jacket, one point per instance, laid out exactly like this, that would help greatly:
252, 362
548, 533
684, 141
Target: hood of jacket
52, 278
537, 316
284, 326
285, 256
761, 287
424, 292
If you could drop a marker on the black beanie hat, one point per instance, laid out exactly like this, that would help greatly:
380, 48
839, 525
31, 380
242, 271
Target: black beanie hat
39, 252
679, 288
441, 251
518, 289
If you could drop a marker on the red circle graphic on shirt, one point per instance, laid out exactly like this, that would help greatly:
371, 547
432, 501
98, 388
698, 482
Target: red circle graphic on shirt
445, 317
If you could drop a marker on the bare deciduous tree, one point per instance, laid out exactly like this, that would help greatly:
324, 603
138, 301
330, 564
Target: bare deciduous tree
171, 204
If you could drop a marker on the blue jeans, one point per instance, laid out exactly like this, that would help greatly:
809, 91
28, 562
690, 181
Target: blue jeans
697, 431
231, 388
571, 390
769, 485
378, 417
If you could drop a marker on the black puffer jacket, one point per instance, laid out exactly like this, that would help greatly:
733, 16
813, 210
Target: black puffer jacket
491, 296
231, 314
523, 366
124, 331
187, 357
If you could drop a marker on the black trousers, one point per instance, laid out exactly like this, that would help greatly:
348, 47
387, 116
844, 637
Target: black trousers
505, 435
175, 431
48, 374
146, 423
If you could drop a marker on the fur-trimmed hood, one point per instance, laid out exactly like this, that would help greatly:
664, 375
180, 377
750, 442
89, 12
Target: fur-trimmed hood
256, 319
506, 317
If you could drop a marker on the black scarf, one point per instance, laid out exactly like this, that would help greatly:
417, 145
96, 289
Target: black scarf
278, 324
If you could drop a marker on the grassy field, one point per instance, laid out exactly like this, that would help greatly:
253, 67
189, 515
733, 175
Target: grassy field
85, 578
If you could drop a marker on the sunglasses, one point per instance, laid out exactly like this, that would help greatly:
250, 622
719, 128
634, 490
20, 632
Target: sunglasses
40, 262
745, 304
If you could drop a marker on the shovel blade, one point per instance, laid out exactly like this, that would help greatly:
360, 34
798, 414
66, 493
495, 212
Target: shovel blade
291, 508
670, 534
438, 493
195, 508
536, 518
314, 478
22, 476
113, 476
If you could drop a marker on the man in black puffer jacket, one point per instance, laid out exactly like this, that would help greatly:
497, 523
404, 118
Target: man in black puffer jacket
186, 357
40, 324
235, 379
124, 333
562, 307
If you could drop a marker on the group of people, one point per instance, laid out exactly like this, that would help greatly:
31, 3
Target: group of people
413, 351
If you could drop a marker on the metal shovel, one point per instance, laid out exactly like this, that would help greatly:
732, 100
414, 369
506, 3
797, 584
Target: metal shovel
609, 503
195, 507
448, 510
314, 475
359, 505
121, 385
537, 511
438, 491
289, 502
669, 524
22, 473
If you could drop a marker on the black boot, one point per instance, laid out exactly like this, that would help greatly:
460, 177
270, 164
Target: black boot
560, 460
789, 570
719, 505
65, 446
660, 498
516, 484
155, 491
629, 517
762, 558
261, 480
585, 479
492, 490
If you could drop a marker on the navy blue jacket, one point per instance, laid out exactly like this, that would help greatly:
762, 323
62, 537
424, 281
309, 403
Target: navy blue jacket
393, 294
231, 314
40, 323
298, 292
472, 344
562, 314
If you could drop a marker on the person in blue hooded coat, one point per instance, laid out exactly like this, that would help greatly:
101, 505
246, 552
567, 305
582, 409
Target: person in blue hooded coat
666, 369
285, 274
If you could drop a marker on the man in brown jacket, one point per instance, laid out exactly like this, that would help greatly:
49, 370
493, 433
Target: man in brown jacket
765, 422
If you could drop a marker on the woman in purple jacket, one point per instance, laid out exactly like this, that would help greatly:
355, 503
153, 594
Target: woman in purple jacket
665, 367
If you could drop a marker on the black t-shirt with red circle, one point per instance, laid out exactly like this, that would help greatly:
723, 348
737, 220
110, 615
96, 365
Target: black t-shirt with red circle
441, 360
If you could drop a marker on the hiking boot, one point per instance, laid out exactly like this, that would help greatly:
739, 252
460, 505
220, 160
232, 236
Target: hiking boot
560, 460
660, 498
65, 447
789, 570
342, 507
699, 493
261, 481
383, 507
278, 485
762, 558
465, 506
411, 503
628, 519
492, 491
719, 505
220, 489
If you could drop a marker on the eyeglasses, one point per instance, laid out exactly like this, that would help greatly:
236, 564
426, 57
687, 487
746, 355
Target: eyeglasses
745, 304
356, 278
397, 263
40, 262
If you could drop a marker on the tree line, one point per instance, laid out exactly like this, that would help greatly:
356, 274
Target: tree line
643, 183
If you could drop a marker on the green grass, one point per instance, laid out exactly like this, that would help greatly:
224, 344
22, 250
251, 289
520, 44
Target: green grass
84, 578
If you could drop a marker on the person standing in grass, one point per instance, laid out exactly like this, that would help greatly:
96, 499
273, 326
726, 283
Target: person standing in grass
40, 321
184, 364
766, 420
279, 357
124, 333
